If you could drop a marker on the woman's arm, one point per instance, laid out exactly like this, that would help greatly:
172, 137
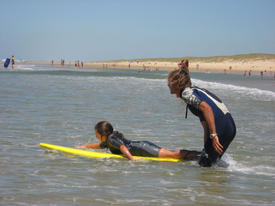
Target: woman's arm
124, 150
210, 123
208, 116
92, 146
205, 129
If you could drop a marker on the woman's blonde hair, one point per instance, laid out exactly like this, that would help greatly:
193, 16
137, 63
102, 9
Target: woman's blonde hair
180, 78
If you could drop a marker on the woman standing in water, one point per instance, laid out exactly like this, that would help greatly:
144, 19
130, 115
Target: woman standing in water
218, 124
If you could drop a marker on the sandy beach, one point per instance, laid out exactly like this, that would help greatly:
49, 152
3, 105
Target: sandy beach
254, 63
234, 66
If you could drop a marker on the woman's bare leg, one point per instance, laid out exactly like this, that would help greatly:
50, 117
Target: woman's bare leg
179, 154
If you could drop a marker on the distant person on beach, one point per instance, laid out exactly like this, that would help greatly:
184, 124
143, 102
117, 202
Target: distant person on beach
12, 61
117, 144
197, 66
262, 74
218, 124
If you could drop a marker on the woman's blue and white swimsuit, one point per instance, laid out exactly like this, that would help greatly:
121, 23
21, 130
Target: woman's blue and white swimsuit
225, 126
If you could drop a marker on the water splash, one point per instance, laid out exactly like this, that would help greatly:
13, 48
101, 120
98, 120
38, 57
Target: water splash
235, 166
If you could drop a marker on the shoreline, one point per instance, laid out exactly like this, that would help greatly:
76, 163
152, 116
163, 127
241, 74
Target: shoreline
230, 66
239, 67
242, 64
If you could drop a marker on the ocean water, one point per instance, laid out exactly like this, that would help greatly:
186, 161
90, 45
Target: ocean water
47, 104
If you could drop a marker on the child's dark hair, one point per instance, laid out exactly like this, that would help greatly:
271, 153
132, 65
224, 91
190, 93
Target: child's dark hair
180, 78
104, 128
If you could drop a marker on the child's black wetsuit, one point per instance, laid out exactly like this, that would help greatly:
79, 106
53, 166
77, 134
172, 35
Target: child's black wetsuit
136, 148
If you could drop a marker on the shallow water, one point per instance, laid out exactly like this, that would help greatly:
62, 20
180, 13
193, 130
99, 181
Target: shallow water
40, 104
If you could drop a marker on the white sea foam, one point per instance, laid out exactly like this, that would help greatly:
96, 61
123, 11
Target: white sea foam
241, 91
23, 67
254, 93
246, 169
237, 91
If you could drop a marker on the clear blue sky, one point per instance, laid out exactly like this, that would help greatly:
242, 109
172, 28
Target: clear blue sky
92, 30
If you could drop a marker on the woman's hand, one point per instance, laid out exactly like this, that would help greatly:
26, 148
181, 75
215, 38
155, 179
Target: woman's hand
217, 145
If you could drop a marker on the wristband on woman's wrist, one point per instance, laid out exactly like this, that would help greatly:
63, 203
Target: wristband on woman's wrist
212, 136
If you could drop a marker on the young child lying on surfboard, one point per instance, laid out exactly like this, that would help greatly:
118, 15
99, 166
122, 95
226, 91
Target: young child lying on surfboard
117, 144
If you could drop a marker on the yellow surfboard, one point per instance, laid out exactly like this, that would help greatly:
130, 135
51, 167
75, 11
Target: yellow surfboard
101, 154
